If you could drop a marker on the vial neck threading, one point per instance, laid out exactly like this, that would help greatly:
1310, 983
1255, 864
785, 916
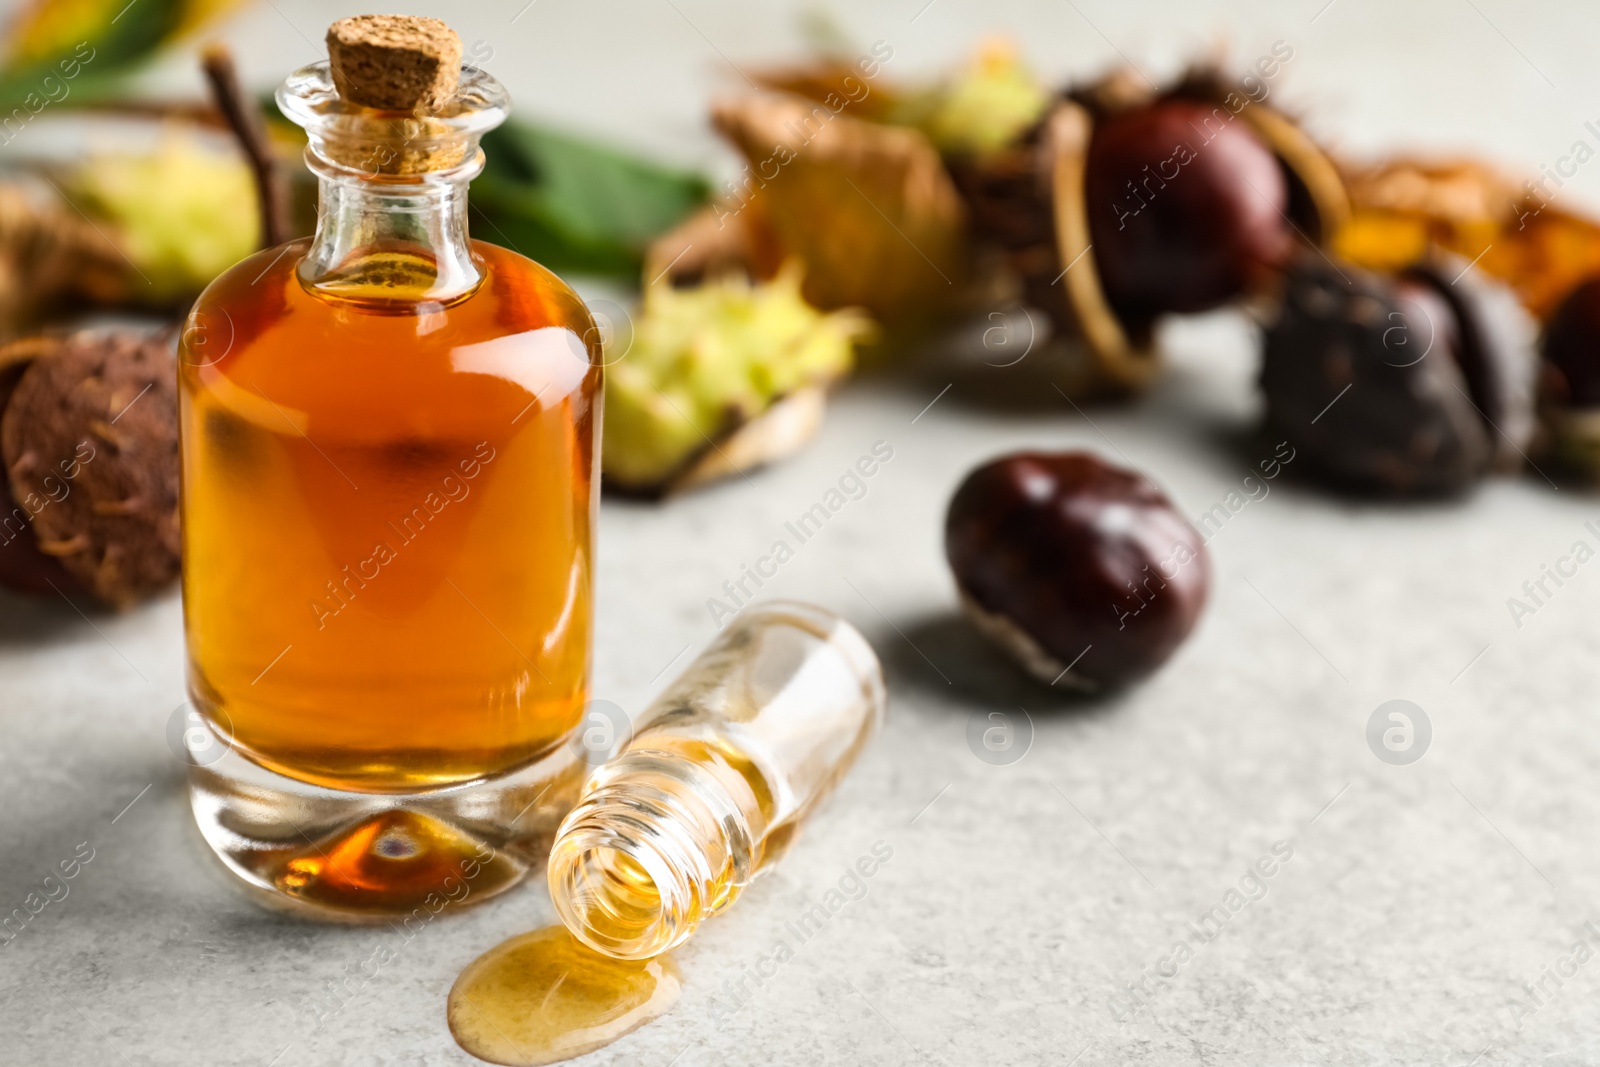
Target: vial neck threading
657, 845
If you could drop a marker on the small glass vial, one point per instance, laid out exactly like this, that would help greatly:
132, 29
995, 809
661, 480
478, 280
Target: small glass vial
389, 486
724, 768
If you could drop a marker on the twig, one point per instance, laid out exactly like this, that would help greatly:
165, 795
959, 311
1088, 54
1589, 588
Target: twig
244, 119
196, 113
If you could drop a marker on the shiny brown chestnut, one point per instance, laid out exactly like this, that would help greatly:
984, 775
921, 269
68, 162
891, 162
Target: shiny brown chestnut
1083, 571
1188, 209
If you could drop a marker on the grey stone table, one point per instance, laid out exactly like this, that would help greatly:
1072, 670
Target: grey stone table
1053, 908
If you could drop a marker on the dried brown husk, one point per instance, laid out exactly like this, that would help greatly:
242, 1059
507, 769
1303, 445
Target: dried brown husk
867, 208
1542, 256
1405, 206
1372, 415
1028, 201
709, 244
779, 432
50, 254
1127, 360
840, 79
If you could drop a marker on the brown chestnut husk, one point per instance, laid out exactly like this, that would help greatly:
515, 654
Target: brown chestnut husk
1084, 572
89, 436
1108, 199
1415, 384
23, 568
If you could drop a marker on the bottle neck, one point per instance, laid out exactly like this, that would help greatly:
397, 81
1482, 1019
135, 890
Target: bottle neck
392, 230
657, 845
391, 243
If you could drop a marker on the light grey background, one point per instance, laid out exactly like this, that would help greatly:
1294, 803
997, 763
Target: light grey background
1019, 899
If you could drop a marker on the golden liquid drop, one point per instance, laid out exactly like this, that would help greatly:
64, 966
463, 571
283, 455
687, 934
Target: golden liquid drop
544, 997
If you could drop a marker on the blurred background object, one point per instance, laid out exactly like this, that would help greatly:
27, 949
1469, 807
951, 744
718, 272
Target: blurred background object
925, 199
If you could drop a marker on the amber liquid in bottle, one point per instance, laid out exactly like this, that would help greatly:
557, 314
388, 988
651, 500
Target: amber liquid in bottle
387, 517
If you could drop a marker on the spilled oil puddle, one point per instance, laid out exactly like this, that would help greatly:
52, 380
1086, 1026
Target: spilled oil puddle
544, 997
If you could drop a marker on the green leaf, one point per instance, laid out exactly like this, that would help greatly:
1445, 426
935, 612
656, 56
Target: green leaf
62, 52
574, 205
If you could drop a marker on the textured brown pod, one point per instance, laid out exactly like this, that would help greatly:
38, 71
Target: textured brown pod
89, 435
23, 568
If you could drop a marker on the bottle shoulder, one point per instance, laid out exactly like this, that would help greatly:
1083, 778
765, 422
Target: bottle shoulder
522, 335
512, 272
515, 295
251, 271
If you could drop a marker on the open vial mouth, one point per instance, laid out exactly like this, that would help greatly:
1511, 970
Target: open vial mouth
643, 860
400, 146
622, 894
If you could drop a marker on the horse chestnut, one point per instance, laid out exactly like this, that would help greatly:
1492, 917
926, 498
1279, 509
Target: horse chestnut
1124, 203
1083, 571
1187, 208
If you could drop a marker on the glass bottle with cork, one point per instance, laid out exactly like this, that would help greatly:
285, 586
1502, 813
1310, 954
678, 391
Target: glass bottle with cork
389, 439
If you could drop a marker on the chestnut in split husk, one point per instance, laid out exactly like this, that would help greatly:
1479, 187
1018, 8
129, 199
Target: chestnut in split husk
1410, 385
1185, 214
1569, 385
1083, 571
1125, 204
89, 434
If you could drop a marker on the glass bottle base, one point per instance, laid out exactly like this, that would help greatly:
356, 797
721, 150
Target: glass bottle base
355, 857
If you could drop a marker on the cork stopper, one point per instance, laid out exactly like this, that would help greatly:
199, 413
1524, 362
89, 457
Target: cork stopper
393, 102
395, 62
